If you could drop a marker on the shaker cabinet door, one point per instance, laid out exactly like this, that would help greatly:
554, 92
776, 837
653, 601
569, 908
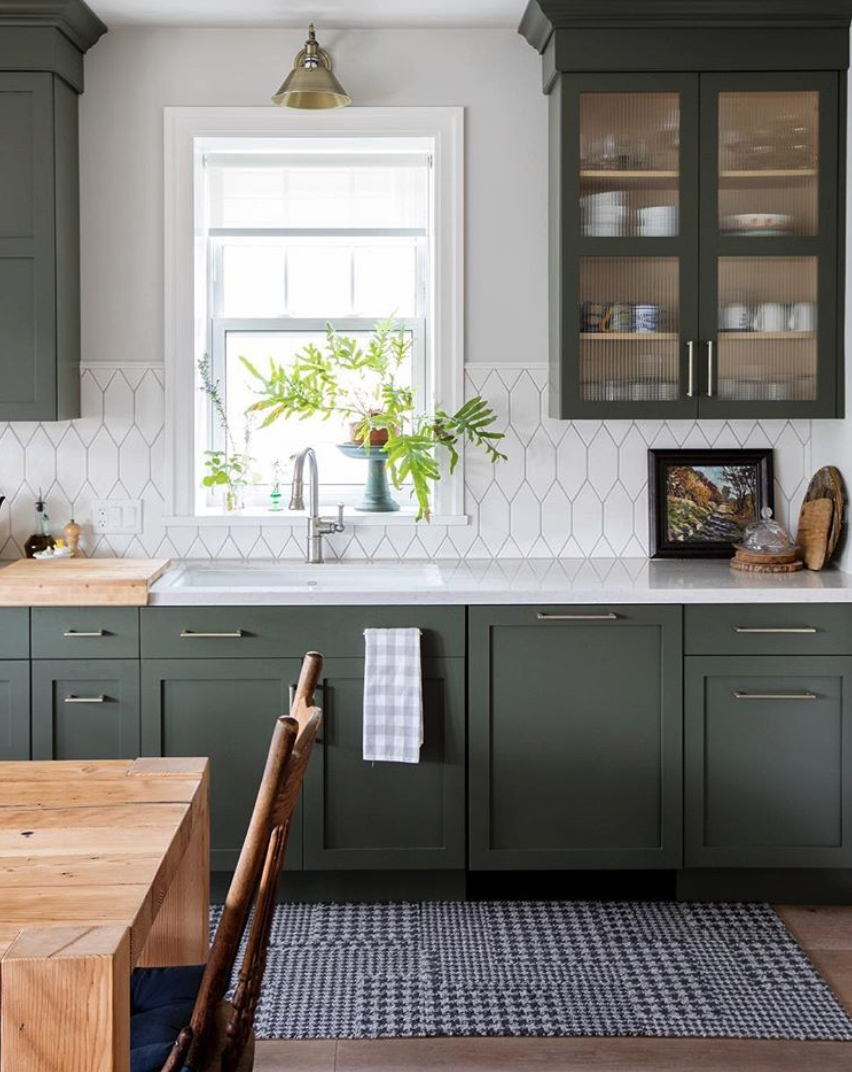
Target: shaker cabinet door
225, 710
768, 770
575, 737
386, 816
85, 709
624, 254
14, 710
770, 248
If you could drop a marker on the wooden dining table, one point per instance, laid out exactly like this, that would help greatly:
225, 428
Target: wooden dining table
103, 866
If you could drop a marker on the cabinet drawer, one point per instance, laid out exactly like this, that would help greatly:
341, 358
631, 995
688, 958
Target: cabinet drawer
275, 632
85, 633
15, 633
769, 629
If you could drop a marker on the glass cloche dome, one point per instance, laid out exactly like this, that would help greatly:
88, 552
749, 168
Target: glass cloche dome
767, 537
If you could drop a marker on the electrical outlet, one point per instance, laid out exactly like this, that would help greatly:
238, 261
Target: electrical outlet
118, 517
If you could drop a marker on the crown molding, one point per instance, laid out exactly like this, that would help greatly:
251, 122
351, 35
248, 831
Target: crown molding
73, 18
543, 17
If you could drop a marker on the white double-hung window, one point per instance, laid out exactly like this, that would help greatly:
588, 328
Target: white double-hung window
299, 223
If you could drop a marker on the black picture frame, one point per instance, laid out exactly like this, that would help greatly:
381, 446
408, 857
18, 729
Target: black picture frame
660, 462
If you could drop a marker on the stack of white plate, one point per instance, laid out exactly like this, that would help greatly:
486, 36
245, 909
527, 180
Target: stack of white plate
657, 221
604, 215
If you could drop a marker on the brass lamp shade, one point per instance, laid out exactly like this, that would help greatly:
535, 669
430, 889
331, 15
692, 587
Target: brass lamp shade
311, 83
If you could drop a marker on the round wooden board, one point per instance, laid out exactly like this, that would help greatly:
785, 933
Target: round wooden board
766, 567
761, 558
827, 483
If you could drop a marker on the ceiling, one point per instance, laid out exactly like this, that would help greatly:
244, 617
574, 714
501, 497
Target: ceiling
297, 13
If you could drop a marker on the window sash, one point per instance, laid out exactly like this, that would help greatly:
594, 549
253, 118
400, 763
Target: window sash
222, 326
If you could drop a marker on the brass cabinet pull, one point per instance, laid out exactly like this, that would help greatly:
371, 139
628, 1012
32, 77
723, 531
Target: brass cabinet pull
710, 369
85, 699
81, 633
774, 695
609, 617
189, 634
775, 629
690, 391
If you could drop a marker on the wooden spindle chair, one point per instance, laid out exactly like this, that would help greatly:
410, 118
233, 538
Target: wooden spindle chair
219, 1035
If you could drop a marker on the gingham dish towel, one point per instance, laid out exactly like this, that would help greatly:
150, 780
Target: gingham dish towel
393, 696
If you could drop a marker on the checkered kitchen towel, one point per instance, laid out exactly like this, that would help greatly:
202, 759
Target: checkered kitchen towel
393, 696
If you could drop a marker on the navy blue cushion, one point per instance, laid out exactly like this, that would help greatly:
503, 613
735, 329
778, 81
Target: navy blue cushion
161, 1002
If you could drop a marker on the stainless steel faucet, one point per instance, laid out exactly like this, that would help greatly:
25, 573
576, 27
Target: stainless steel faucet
317, 526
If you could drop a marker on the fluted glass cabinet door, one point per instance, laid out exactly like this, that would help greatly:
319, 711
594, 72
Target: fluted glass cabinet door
625, 218
769, 245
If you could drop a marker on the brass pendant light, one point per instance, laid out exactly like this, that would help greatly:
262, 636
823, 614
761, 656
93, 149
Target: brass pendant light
311, 84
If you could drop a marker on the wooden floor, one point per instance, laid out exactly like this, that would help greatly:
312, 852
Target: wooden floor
825, 933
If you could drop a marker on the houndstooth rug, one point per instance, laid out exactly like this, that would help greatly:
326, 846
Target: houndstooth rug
559, 968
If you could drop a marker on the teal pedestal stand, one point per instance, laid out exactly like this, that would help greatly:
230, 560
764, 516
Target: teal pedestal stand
377, 497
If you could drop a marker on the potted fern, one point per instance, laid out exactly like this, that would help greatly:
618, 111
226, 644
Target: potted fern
364, 387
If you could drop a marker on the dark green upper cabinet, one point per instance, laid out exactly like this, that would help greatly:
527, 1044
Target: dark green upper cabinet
696, 198
41, 75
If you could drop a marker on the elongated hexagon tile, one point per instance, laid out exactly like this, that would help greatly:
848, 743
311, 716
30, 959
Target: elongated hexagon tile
633, 462
40, 463
134, 462
71, 463
571, 462
541, 463
525, 519
494, 519
11, 462
525, 407
103, 463
148, 407
556, 519
587, 519
118, 407
618, 519
603, 462
509, 474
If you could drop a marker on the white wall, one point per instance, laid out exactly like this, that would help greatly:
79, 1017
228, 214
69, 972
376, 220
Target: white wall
132, 74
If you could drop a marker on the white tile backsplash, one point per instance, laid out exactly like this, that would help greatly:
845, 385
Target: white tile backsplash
568, 489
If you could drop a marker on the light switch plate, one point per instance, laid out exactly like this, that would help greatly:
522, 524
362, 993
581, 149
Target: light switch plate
118, 517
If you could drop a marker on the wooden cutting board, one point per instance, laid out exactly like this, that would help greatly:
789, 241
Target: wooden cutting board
80, 582
815, 523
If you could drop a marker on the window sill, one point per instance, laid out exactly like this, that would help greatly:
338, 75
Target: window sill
296, 518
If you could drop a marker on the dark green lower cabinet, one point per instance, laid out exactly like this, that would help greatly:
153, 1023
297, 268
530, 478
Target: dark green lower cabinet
365, 816
575, 737
85, 709
768, 762
224, 709
14, 709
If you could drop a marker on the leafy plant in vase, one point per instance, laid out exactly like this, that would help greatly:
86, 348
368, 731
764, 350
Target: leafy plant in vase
365, 387
229, 469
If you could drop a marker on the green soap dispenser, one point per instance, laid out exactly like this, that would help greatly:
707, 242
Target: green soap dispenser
41, 539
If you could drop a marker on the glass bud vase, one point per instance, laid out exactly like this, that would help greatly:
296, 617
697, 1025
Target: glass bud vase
233, 500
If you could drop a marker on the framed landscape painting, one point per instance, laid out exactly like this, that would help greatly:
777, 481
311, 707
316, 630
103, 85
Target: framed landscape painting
700, 501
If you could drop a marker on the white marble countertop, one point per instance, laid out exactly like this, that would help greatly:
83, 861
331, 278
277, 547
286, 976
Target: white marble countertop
535, 581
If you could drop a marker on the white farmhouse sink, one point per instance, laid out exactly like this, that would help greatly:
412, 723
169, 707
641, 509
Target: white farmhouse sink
329, 577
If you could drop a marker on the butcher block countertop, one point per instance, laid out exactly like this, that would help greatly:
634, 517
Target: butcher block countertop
80, 582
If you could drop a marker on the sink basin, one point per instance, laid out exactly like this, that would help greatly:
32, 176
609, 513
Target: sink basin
331, 576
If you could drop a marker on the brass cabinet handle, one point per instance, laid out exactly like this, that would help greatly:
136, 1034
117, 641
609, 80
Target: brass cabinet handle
609, 617
773, 629
81, 633
710, 369
774, 695
190, 634
690, 390
85, 699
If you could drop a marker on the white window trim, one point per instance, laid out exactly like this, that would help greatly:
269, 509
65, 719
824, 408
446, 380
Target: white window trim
185, 272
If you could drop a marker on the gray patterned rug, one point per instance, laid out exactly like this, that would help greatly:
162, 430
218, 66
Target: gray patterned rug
556, 968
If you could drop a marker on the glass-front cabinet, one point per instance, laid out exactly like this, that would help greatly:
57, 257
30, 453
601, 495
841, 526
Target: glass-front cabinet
695, 245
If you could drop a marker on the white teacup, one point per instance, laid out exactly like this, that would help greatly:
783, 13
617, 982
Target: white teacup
771, 316
802, 316
735, 317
